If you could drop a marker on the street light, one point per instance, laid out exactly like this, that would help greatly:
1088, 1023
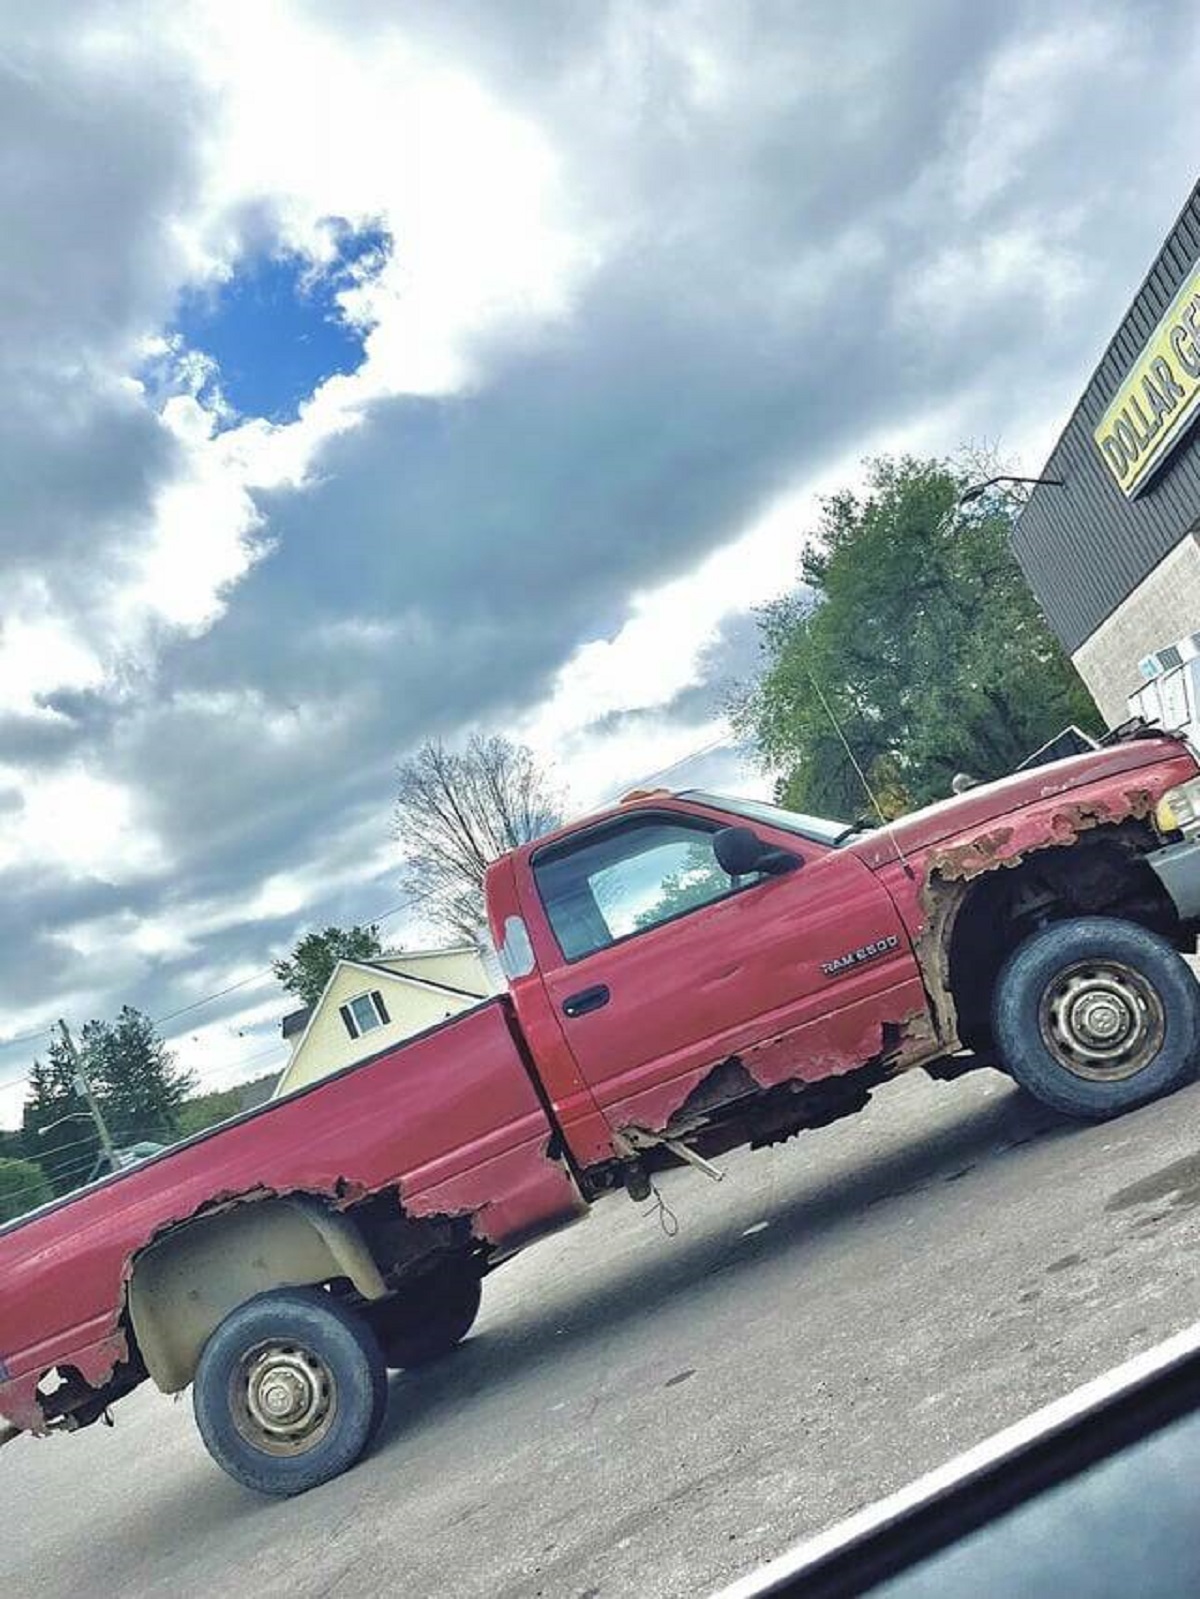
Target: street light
977, 490
72, 1116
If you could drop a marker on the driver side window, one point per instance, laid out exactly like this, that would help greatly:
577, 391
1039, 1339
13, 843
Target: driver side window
628, 879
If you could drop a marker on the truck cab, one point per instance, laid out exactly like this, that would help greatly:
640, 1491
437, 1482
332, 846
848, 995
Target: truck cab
649, 948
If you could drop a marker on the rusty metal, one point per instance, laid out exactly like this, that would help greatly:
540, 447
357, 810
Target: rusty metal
1062, 824
503, 1115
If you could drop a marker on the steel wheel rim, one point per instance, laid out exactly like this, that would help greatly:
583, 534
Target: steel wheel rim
1102, 1020
283, 1398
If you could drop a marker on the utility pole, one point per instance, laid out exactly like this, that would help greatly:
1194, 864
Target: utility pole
85, 1089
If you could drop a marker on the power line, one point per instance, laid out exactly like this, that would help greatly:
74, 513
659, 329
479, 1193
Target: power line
27, 1038
269, 971
410, 903
248, 1060
692, 755
78, 1164
207, 999
51, 1150
133, 1136
183, 1010
62, 1176
22, 1076
245, 1060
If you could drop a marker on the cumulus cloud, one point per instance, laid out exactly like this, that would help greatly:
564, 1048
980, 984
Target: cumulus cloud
658, 275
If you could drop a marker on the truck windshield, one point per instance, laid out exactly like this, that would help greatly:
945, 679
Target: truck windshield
817, 828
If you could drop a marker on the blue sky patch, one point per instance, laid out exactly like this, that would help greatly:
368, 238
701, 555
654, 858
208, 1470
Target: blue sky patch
275, 330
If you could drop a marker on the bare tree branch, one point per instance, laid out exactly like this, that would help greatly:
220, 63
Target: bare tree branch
456, 812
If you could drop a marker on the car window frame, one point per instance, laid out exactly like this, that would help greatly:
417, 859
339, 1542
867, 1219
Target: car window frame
708, 824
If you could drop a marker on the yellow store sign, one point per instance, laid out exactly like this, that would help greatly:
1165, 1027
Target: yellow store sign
1150, 412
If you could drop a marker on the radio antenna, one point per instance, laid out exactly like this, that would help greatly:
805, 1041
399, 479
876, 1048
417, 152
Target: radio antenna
853, 759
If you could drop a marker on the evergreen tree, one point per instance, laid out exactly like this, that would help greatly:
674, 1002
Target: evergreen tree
23, 1186
134, 1077
68, 1152
137, 1086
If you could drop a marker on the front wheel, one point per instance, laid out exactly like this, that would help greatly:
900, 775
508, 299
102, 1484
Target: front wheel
290, 1390
1096, 1016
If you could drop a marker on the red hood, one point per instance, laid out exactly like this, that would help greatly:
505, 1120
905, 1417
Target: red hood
963, 813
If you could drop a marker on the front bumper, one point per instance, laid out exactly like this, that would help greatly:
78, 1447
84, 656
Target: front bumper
1177, 867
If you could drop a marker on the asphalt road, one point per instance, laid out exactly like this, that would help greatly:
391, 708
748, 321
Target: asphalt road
638, 1414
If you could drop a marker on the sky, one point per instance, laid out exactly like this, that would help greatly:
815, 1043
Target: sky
376, 373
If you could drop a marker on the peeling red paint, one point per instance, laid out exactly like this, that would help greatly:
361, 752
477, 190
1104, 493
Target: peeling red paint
1051, 823
1039, 828
347, 1192
21, 1406
468, 1136
804, 980
919, 1038
793, 1059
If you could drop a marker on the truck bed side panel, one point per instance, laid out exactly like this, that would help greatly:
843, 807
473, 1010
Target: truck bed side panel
450, 1119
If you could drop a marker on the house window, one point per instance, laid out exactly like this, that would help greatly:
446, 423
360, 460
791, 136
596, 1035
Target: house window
364, 1013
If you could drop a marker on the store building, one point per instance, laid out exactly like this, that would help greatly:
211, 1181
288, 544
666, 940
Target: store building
1114, 554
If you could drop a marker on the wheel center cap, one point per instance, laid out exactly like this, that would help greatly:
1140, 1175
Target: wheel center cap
283, 1395
1101, 1017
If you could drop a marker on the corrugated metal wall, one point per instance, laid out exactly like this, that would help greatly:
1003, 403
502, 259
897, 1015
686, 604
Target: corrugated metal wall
1084, 547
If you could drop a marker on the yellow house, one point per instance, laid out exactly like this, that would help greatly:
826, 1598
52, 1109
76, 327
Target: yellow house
368, 1005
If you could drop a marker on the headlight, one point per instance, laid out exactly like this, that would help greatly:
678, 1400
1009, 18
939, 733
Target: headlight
1179, 809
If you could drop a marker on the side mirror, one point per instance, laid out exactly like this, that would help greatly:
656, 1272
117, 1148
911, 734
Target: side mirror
741, 853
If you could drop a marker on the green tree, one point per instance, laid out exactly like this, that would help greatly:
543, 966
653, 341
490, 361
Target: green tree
697, 880
134, 1077
136, 1083
306, 970
218, 1105
67, 1152
914, 624
205, 1110
23, 1186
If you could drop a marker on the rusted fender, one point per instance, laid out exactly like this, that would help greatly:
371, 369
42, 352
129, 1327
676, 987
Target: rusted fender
450, 1121
1043, 826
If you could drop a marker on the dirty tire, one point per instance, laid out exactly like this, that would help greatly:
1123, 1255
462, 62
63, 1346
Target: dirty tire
1097, 1016
299, 1351
439, 1315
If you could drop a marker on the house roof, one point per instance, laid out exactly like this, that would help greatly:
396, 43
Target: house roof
430, 954
384, 971
424, 982
295, 1021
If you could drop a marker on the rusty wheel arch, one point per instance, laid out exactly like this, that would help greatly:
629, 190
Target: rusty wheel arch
970, 900
372, 1245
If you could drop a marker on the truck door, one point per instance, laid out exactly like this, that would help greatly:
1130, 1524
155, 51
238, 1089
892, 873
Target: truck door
659, 966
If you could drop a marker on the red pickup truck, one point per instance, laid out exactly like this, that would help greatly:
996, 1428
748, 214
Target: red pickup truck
686, 973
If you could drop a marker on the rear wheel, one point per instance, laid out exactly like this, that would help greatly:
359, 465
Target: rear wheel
290, 1390
436, 1314
1097, 1016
